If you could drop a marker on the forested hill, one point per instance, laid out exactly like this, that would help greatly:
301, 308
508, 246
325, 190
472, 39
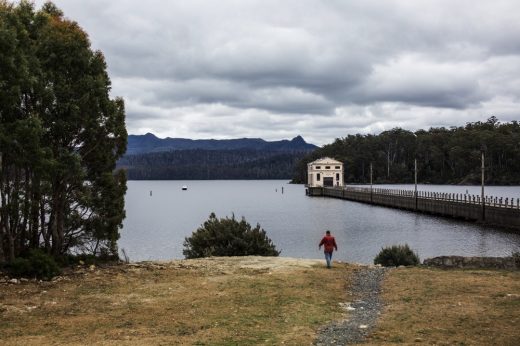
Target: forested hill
444, 155
152, 158
138, 144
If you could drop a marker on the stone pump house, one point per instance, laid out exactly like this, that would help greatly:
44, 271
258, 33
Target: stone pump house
325, 172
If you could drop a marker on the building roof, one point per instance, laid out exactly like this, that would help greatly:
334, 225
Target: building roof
326, 161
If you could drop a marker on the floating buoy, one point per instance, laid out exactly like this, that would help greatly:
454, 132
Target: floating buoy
184, 188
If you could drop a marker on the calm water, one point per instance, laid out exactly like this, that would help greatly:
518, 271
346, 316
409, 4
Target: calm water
156, 225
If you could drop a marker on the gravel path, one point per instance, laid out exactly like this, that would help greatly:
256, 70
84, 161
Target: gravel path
363, 312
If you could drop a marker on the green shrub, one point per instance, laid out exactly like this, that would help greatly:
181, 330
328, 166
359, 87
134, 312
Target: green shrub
516, 258
19, 267
37, 264
396, 255
228, 237
74, 259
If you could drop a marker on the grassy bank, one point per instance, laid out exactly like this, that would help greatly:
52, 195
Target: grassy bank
240, 301
450, 307
253, 300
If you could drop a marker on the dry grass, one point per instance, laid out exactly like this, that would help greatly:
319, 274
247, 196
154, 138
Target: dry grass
251, 301
450, 307
200, 302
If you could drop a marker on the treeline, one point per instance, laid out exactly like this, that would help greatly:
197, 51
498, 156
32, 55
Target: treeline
211, 164
444, 155
60, 136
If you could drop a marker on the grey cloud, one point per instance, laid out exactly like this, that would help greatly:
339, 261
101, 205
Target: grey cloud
317, 68
167, 93
416, 80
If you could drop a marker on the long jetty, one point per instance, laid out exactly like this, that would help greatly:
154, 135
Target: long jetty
499, 211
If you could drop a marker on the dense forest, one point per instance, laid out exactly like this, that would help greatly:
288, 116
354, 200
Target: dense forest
211, 164
444, 155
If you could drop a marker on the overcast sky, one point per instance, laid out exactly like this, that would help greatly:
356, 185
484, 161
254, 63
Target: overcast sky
320, 69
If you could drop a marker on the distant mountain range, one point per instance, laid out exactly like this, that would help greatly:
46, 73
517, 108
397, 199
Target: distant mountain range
149, 143
151, 158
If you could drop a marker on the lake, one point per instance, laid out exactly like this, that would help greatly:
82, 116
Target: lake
156, 225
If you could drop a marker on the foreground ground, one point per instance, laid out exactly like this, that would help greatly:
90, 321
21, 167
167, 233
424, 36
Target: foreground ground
252, 300
219, 301
450, 307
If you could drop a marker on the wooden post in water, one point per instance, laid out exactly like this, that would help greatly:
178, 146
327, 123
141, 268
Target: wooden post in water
415, 192
482, 192
370, 182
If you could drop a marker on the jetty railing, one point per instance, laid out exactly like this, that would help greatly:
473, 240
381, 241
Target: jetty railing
444, 196
492, 210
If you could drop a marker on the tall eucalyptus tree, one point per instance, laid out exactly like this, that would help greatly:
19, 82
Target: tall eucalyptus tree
60, 137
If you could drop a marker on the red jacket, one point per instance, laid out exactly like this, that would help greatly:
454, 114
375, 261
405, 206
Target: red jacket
329, 242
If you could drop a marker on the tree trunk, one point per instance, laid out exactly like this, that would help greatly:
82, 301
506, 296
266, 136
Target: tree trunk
388, 164
2, 255
34, 240
23, 237
3, 219
34, 219
60, 226
54, 232
10, 246
57, 221
45, 231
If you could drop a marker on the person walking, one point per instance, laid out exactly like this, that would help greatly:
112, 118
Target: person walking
329, 245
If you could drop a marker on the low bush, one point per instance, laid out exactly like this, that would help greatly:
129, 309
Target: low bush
37, 264
516, 258
228, 237
397, 255
19, 267
88, 259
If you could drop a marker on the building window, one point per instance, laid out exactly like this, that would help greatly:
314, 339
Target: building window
318, 177
338, 167
327, 167
337, 176
318, 167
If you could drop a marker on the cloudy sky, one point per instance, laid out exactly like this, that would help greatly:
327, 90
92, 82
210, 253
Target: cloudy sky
320, 69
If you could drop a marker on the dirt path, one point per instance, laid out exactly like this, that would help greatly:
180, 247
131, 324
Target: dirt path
363, 311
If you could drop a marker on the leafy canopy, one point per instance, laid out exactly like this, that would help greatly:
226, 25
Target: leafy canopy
228, 237
60, 137
444, 155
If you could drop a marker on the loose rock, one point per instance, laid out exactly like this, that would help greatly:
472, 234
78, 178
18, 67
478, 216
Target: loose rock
363, 312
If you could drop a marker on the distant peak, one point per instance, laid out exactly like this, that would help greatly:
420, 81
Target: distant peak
149, 134
298, 139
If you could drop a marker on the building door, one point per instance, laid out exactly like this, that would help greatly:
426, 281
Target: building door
328, 181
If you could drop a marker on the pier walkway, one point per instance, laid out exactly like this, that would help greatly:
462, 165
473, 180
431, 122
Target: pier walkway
503, 212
